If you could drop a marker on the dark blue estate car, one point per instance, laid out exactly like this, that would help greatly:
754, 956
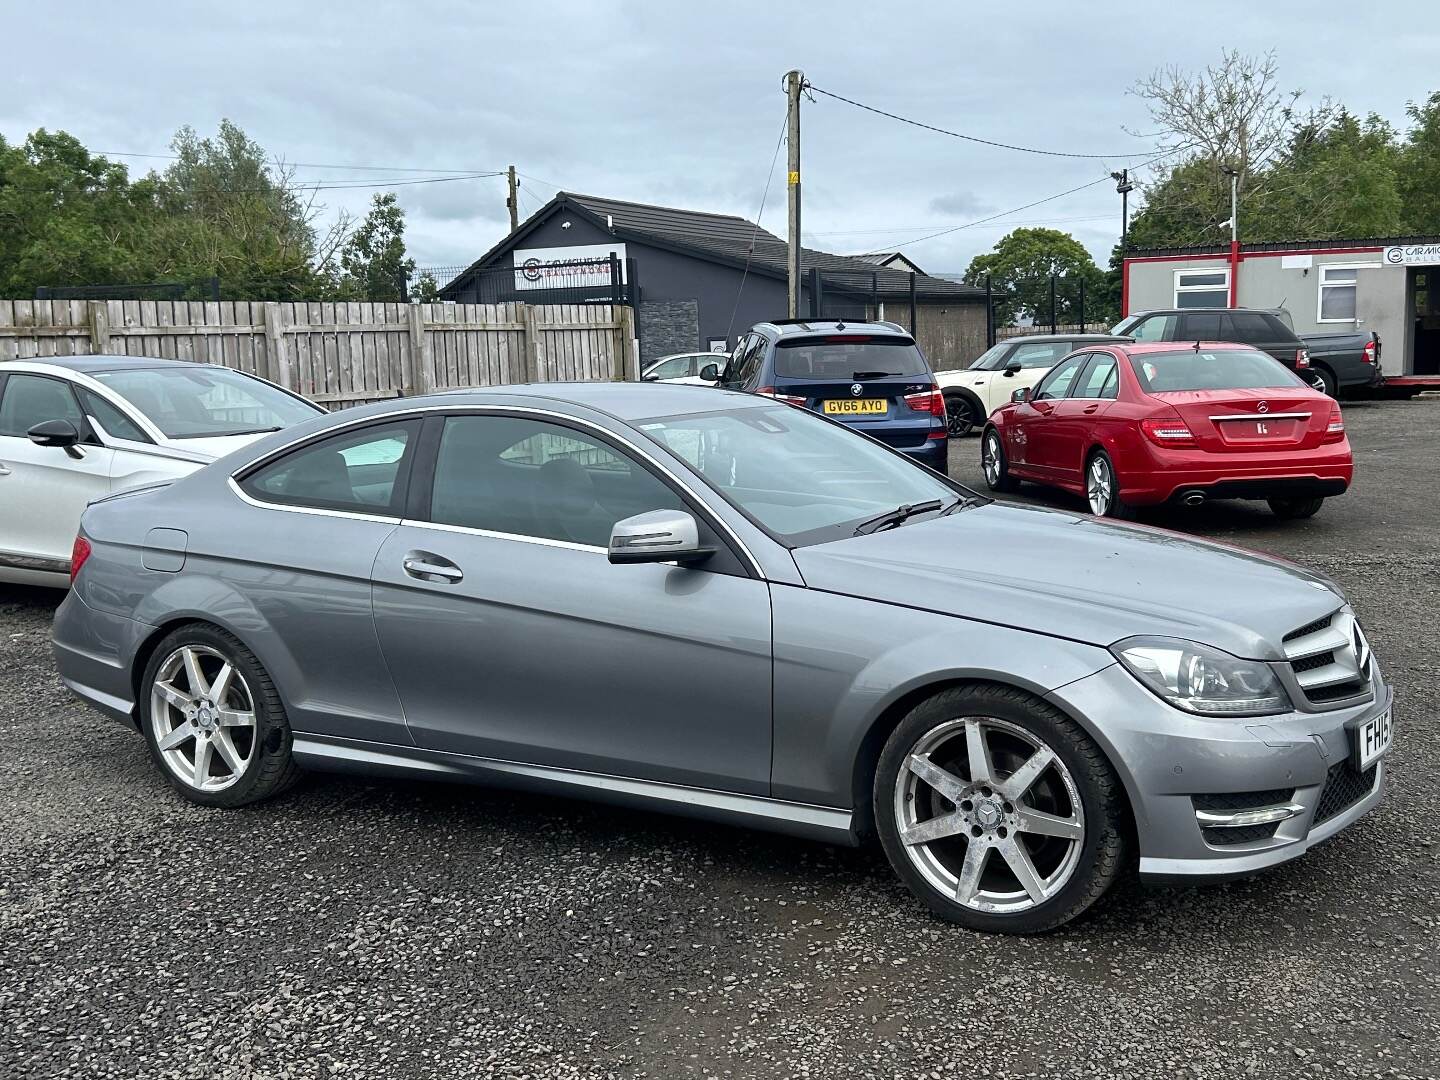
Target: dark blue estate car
870, 375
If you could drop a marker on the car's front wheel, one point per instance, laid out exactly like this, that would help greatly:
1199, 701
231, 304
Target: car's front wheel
998, 811
214, 720
994, 465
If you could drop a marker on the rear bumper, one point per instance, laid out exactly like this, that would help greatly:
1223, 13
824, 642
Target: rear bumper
1304, 474
1279, 487
94, 651
932, 452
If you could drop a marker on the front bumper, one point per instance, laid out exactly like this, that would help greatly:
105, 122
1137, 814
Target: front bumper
94, 651
1167, 758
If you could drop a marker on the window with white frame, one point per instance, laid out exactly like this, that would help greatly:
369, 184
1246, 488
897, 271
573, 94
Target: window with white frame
1337, 293
1209, 287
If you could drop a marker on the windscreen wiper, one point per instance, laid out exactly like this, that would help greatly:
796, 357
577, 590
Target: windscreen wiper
891, 518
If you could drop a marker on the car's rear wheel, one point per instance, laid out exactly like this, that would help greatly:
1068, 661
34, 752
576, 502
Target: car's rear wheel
1293, 509
994, 465
1321, 379
214, 720
1102, 487
961, 416
998, 811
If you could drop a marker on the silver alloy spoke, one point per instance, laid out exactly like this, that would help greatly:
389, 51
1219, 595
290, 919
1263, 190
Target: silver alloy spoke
200, 767
1018, 859
228, 754
968, 882
1043, 824
220, 686
1020, 781
978, 754
172, 696
178, 736
947, 784
936, 828
198, 686
227, 718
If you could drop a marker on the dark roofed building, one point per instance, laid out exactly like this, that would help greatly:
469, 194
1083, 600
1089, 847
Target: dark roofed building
699, 280
894, 260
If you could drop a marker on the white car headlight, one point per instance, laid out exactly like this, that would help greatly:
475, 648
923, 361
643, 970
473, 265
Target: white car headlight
1201, 679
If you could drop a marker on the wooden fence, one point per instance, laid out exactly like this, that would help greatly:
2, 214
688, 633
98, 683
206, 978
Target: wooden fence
339, 354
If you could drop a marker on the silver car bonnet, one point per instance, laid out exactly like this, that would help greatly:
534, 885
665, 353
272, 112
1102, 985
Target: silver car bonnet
1077, 577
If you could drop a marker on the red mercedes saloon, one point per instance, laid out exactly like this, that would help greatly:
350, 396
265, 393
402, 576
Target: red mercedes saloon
1129, 425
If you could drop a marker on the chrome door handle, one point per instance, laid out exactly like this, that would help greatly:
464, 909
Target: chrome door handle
418, 566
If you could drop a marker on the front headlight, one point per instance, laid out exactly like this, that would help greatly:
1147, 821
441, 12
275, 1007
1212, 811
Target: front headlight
1201, 679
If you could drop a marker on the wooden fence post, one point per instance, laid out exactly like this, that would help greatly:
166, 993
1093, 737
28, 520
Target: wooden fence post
532, 343
278, 359
624, 338
422, 353
99, 328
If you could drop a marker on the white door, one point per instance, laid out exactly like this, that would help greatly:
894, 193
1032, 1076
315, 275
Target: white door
1035, 358
43, 489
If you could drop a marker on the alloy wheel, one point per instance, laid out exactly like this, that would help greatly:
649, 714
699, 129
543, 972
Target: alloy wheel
990, 459
1099, 486
203, 717
959, 416
989, 815
1317, 381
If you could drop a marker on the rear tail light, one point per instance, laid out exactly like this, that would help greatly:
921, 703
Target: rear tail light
1367, 355
1302, 358
930, 401
1335, 429
1168, 432
788, 399
78, 554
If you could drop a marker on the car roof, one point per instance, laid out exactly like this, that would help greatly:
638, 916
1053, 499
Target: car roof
859, 327
1201, 311
89, 364
1022, 339
1140, 348
626, 401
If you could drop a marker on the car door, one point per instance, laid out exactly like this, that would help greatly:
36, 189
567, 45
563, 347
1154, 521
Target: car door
1034, 445
1035, 359
44, 489
512, 636
1073, 424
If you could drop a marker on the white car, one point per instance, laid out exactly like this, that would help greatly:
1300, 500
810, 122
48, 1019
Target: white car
683, 367
75, 428
975, 392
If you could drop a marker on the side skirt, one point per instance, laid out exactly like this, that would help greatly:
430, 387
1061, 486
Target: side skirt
327, 753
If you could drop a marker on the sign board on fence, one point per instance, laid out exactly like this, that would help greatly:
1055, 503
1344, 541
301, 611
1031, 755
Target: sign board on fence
583, 267
1412, 255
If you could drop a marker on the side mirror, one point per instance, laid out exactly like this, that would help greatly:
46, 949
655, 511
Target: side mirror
657, 536
710, 373
649, 378
1023, 394
1012, 369
58, 433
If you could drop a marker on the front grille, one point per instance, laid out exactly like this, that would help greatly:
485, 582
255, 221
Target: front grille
1310, 663
1310, 628
1243, 800
1344, 787
1330, 660
1239, 834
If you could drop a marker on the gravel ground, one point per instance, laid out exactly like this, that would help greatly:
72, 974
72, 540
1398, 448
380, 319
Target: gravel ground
382, 929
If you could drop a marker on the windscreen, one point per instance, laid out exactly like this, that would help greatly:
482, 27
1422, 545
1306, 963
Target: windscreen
986, 360
848, 357
1210, 369
201, 401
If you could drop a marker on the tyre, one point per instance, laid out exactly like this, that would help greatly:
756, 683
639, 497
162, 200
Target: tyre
213, 719
961, 415
994, 465
1102, 487
1321, 379
1294, 509
998, 811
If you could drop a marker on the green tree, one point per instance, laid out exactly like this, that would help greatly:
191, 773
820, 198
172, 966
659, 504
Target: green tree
1020, 269
1419, 169
373, 259
426, 289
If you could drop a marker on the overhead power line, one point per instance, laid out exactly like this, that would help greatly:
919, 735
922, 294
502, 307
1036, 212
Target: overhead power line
971, 138
318, 165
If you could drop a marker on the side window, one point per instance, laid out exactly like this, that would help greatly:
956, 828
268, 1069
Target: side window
1057, 384
749, 373
1039, 355
1248, 327
1155, 328
361, 471
1098, 377
116, 423
531, 478
1204, 326
675, 368
33, 399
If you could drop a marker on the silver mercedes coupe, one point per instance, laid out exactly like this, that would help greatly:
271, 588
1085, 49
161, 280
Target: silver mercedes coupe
729, 607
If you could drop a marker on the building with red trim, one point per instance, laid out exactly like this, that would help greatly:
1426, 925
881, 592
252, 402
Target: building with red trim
1388, 285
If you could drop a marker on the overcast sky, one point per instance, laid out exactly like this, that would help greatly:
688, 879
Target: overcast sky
681, 104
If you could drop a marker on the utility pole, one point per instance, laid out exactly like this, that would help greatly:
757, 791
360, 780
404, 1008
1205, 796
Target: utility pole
512, 201
794, 84
1124, 187
1234, 174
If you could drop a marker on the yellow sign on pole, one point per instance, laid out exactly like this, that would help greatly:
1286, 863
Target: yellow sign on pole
795, 177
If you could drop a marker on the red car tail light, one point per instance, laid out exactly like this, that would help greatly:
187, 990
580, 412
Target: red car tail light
1163, 431
788, 399
1302, 358
930, 401
1367, 355
78, 554
1335, 429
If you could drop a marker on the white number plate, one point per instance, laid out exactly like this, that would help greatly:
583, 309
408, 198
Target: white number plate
1372, 739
